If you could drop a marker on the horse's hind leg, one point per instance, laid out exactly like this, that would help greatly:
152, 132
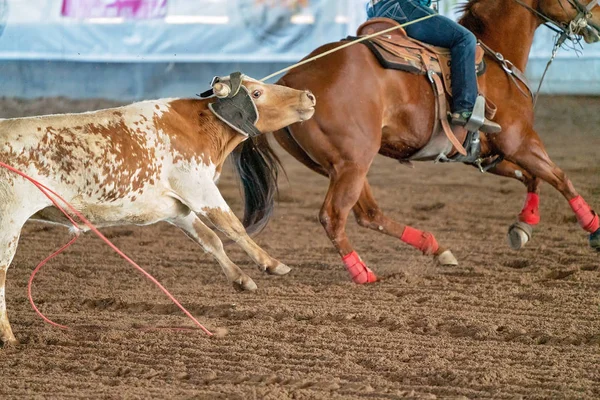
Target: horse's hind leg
369, 215
520, 232
533, 157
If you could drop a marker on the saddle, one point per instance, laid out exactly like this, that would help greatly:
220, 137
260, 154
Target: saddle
395, 50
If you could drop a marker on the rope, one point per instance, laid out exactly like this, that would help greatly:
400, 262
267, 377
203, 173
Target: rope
557, 45
362, 39
35, 271
50, 193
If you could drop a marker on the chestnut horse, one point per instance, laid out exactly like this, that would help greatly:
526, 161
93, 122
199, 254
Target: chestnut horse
363, 110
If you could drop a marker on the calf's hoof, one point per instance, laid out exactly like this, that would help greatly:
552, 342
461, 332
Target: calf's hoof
4, 343
279, 269
595, 240
245, 283
446, 258
519, 234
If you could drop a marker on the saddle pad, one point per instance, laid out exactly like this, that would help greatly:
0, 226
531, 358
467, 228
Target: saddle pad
390, 60
395, 50
375, 25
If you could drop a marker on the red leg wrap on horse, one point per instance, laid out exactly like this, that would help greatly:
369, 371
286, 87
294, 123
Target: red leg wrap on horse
531, 213
357, 269
586, 217
423, 241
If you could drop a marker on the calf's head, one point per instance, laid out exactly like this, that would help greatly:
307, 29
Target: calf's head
252, 107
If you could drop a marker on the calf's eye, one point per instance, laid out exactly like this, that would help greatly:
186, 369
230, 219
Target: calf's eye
256, 94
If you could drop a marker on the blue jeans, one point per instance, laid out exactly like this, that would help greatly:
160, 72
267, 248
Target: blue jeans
443, 32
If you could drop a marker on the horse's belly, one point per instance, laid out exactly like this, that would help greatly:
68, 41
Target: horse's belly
415, 147
400, 146
438, 145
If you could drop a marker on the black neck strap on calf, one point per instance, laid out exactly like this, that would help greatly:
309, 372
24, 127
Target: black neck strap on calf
239, 112
237, 109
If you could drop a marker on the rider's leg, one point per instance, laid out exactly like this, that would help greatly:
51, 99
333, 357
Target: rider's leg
444, 32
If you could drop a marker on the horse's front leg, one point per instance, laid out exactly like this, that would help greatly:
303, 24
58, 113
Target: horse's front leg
531, 155
521, 231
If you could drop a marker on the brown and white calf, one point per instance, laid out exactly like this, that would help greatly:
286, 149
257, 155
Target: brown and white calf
139, 164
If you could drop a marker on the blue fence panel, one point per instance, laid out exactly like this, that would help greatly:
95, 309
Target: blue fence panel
45, 54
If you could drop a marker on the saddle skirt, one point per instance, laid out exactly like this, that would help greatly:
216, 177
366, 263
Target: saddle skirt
396, 50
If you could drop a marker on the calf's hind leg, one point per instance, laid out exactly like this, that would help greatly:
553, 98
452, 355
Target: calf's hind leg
196, 230
9, 238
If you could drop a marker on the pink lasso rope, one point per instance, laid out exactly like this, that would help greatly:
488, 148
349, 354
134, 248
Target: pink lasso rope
50, 193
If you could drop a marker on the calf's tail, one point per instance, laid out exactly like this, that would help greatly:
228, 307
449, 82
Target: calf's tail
258, 168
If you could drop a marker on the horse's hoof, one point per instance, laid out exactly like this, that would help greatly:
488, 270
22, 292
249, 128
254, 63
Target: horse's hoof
446, 258
595, 240
280, 269
245, 283
519, 234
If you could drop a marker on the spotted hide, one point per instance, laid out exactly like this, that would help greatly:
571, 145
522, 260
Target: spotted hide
139, 164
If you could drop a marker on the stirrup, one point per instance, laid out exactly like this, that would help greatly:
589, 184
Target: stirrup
478, 121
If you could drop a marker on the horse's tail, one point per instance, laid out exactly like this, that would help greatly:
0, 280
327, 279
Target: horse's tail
258, 168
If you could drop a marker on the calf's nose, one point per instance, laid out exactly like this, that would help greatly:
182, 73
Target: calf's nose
311, 97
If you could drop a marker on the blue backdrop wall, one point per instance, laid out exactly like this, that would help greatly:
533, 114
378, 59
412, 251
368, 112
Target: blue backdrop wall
45, 54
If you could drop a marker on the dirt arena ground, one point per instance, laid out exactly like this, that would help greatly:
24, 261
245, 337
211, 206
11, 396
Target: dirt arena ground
503, 324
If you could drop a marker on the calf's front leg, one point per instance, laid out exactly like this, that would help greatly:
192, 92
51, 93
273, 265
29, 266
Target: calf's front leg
196, 230
226, 221
204, 198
